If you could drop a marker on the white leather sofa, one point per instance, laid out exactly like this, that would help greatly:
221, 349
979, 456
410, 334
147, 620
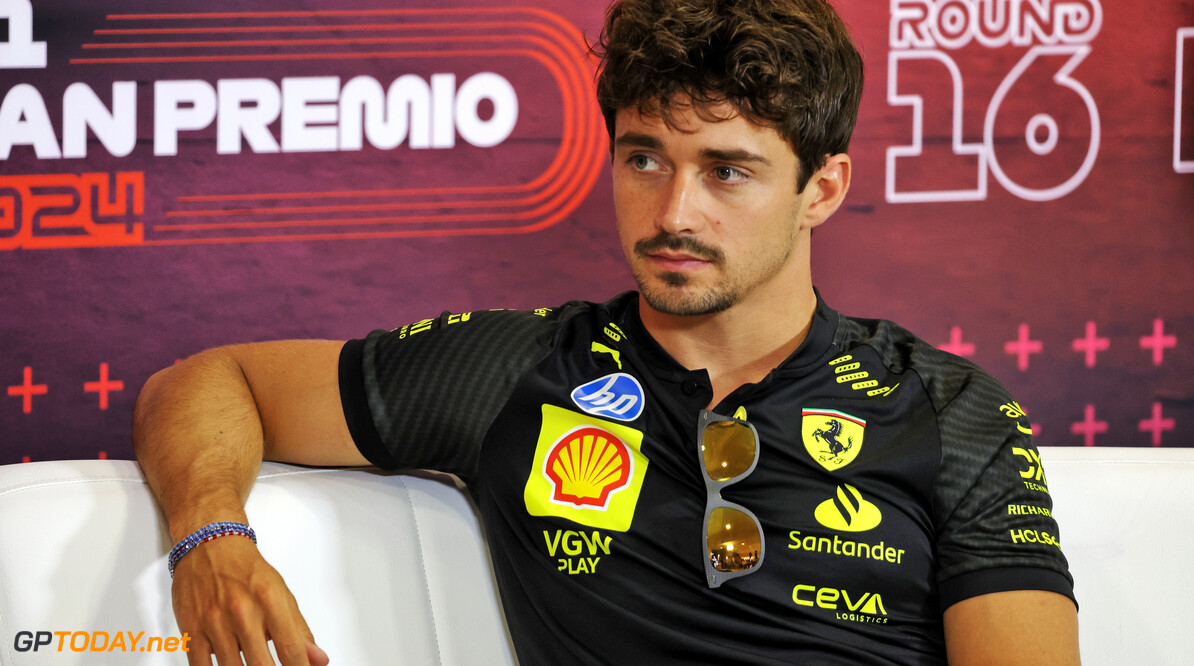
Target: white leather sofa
386, 568
385, 565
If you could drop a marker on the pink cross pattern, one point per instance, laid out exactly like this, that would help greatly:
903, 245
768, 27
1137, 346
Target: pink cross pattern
103, 386
27, 389
955, 344
1156, 425
1022, 346
1158, 341
1092, 344
1088, 427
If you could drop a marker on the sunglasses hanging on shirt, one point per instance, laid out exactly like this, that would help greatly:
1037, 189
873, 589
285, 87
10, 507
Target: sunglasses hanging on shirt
729, 449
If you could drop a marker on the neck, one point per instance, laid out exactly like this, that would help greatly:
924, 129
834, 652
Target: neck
740, 345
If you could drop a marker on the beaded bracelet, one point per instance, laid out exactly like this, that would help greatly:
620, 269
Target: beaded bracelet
207, 533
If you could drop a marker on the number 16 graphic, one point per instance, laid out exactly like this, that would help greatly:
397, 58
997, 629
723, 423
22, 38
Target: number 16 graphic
1068, 101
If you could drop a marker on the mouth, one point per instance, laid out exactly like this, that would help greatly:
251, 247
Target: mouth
677, 261
677, 253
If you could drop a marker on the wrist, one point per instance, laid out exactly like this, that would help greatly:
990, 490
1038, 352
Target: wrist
198, 515
204, 534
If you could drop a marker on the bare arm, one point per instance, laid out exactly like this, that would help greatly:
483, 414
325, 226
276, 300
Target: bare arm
1019, 627
200, 431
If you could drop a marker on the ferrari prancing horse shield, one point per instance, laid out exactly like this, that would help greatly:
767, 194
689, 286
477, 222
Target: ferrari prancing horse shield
831, 437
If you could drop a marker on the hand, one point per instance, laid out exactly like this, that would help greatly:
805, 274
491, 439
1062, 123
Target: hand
231, 601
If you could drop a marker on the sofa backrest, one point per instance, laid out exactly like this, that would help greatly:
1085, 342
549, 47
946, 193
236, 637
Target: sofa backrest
381, 564
395, 564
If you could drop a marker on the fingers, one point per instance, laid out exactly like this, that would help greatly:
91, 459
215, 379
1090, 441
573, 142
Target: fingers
254, 646
244, 628
315, 655
229, 632
227, 648
231, 601
199, 652
257, 652
291, 636
290, 642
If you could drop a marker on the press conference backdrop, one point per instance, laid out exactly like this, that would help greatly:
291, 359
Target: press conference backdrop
183, 175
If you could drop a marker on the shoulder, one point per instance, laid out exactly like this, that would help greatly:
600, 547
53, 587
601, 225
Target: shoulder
983, 435
954, 385
471, 362
497, 329
976, 421
990, 503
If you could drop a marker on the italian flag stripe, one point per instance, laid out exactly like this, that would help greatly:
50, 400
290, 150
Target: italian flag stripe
833, 412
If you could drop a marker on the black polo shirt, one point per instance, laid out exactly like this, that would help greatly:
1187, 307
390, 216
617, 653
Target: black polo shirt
894, 480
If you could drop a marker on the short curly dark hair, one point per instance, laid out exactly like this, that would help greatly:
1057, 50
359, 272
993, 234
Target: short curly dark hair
785, 64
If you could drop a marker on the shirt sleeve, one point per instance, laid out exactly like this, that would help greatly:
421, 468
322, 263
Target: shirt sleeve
996, 531
424, 395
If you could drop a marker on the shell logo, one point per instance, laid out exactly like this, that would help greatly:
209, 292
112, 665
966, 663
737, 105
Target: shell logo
585, 469
586, 466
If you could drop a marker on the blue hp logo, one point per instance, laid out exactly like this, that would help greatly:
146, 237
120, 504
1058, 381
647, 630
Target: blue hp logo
618, 396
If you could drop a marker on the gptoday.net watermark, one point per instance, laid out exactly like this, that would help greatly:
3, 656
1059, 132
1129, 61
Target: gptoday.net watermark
98, 641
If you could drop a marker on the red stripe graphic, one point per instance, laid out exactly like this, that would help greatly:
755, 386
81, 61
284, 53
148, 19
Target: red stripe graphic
533, 36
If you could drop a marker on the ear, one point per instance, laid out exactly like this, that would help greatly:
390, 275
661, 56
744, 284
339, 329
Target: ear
826, 190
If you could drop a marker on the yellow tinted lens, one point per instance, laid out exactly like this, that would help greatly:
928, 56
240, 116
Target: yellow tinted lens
728, 448
733, 539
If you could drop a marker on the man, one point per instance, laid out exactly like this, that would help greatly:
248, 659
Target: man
870, 512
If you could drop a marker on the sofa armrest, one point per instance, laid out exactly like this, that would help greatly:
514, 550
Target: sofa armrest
1127, 528
381, 564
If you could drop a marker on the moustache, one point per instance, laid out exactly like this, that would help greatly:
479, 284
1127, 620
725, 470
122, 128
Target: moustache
685, 244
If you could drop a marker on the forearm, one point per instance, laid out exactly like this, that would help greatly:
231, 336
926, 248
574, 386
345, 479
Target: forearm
198, 436
200, 430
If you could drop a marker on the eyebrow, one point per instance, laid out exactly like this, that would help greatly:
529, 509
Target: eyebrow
735, 155
638, 140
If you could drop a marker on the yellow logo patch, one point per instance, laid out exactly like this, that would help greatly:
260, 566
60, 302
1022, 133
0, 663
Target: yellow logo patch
849, 513
587, 470
831, 437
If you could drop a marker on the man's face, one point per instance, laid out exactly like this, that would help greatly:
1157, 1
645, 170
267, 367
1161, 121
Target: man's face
707, 211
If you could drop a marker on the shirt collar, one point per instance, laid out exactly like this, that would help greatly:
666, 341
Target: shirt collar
819, 342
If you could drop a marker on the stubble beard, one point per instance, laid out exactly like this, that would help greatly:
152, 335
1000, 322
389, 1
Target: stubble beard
675, 297
672, 297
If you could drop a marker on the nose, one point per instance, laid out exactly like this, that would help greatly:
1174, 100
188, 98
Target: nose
679, 209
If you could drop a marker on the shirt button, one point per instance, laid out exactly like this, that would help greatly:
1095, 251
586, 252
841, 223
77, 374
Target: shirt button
689, 386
